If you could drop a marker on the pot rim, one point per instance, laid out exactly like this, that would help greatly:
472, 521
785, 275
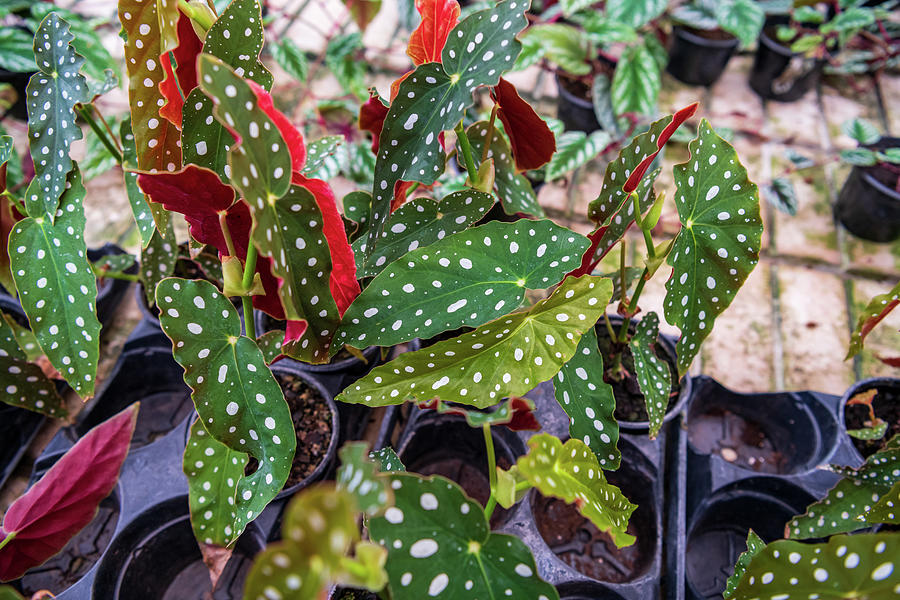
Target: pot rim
685, 32
852, 391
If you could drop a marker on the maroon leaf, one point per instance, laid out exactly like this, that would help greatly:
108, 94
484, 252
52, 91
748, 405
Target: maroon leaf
531, 140
677, 119
516, 413
371, 117
66, 498
175, 89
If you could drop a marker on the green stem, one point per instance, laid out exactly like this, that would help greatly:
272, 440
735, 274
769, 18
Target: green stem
609, 327
623, 280
490, 134
200, 14
632, 306
467, 151
9, 537
247, 301
16, 202
492, 470
523, 485
651, 251
223, 223
101, 133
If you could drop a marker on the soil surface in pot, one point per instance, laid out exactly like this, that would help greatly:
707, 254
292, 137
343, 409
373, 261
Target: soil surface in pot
312, 424
630, 403
736, 439
708, 34
353, 594
579, 544
887, 408
78, 556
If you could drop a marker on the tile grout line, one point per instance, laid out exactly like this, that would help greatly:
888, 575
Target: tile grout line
774, 285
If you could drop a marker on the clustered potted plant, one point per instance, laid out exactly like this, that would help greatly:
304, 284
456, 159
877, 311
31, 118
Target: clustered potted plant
205, 140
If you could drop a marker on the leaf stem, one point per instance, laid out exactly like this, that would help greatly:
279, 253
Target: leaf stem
651, 251
467, 151
9, 537
492, 470
223, 223
609, 327
490, 134
632, 306
15, 201
247, 301
113, 150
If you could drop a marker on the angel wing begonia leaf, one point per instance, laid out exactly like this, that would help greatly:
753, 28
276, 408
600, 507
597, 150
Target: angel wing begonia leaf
158, 262
754, 545
874, 312
387, 460
718, 245
358, 474
636, 81
571, 472
57, 287
321, 153
8, 214
66, 497
531, 140
589, 401
151, 219
181, 80
421, 222
156, 139
477, 368
25, 383
441, 546
434, 97
52, 94
887, 509
634, 13
234, 392
651, 371
466, 279
429, 38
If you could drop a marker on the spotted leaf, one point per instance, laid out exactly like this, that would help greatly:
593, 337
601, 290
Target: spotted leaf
718, 244
214, 472
874, 312
52, 94
847, 505
319, 532
434, 97
147, 216
754, 545
440, 546
57, 287
477, 368
234, 392
465, 279
857, 566
887, 510
156, 139
421, 222
27, 343
575, 150
514, 190
636, 82
358, 475
387, 460
25, 384
651, 371
515, 413
571, 472
8, 214
270, 344
326, 157
589, 402
634, 13
158, 262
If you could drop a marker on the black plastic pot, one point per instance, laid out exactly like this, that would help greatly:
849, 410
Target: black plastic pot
886, 404
583, 590
576, 112
157, 558
868, 207
19, 81
697, 58
779, 74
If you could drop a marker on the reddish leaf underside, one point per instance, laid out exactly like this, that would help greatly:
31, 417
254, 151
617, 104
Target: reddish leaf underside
178, 84
292, 137
371, 117
65, 499
531, 140
427, 41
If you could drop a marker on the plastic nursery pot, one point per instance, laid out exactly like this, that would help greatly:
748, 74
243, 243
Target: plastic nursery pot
578, 543
436, 444
869, 203
698, 57
631, 412
584, 590
341, 593
886, 405
779, 74
110, 292
718, 533
776, 433
18, 81
574, 107
78, 556
157, 558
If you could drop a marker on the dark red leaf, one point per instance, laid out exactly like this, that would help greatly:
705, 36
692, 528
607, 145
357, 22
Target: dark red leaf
588, 260
427, 41
531, 140
890, 361
175, 91
677, 119
523, 418
292, 137
66, 498
371, 117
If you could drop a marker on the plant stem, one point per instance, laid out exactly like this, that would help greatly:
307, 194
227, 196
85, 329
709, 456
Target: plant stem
247, 301
112, 136
623, 288
651, 251
632, 306
492, 470
9, 537
467, 151
100, 134
609, 327
223, 223
490, 134
15, 202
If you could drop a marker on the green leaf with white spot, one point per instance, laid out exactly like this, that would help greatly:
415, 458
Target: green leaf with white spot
651, 371
511, 187
25, 384
291, 58
25, 339
887, 510
575, 149
270, 345
57, 287
571, 472
846, 566
357, 208
589, 401
636, 82
326, 157
235, 394
875, 432
213, 472
158, 261
861, 130
859, 157
387, 459
634, 12
114, 263
478, 368
52, 94
16, 50
146, 214
754, 545
742, 18
358, 475
360, 165
434, 97
440, 546
465, 279
421, 222
718, 245
847, 504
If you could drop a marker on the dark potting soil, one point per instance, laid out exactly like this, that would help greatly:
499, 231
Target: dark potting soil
354, 594
887, 408
630, 403
78, 556
312, 424
737, 439
579, 544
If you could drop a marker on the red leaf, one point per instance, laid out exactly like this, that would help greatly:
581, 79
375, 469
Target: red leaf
889, 361
523, 418
175, 91
588, 261
677, 119
66, 498
292, 137
427, 41
371, 117
530, 138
